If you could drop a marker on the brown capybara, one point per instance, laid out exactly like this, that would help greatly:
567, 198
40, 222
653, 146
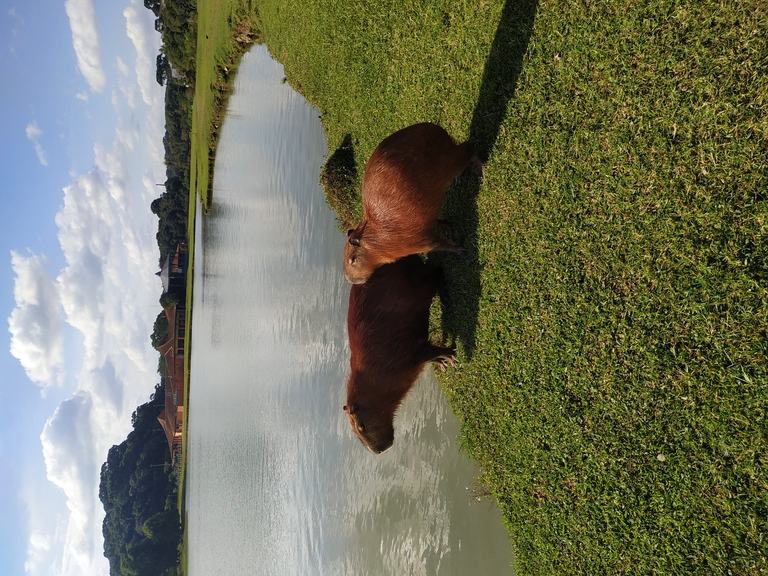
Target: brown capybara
388, 325
404, 184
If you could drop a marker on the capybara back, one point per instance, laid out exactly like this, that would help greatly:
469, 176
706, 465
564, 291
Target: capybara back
404, 186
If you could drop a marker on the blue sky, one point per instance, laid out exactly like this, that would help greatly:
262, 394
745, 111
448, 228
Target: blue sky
82, 125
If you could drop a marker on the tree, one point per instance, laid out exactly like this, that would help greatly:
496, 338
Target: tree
141, 525
160, 329
154, 5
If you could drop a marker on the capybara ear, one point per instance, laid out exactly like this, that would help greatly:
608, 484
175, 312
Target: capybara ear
354, 241
349, 233
346, 408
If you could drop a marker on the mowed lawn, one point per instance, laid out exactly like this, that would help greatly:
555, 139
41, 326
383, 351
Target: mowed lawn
223, 27
611, 314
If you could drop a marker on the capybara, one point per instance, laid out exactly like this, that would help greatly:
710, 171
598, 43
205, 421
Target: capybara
404, 184
388, 325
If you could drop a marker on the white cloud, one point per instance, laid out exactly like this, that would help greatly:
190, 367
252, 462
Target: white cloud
33, 135
40, 541
85, 233
71, 464
82, 96
136, 29
13, 13
85, 39
35, 323
108, 388
36, 557
37, 550
108, 292
122, 67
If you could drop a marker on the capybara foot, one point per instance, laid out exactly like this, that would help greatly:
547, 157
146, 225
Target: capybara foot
443, 363
446, 358
479, 165
480, 168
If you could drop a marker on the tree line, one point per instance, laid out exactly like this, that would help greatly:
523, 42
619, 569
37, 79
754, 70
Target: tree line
138, 486
141, 528
177, 23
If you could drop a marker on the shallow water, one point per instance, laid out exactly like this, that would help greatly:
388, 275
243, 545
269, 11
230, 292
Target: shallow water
277, 483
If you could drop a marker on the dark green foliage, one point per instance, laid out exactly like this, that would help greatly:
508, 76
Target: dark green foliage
172, 206
175, 69
163, 68
153, 5
171, 209
141, 527
179, 31
339, 180
160, 329
170, 299
178, 104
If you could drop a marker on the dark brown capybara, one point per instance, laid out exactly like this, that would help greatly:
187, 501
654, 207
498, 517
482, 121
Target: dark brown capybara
388, 325
404, 185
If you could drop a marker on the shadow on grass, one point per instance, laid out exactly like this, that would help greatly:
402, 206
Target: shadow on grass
339, 178
502, 70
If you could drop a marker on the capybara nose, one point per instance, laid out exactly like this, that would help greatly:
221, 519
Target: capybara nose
384, 447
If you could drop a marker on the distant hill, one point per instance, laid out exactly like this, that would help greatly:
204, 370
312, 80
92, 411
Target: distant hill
141, 529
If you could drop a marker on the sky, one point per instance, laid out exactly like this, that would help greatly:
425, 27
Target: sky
81, 128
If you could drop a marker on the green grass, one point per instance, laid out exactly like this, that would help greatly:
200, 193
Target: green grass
182, 568
611, 314
191, 215
225, 28
181, 487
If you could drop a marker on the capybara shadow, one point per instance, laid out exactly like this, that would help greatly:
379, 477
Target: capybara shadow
497, 90
388, 325
404, 184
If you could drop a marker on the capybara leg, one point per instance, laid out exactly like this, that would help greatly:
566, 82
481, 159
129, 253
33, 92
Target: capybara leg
480, 166
437, 277
442, 244
435, 274
444, 357
466, 156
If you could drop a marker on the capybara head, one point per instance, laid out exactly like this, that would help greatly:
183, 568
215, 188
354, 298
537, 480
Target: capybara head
358, 265
375, 431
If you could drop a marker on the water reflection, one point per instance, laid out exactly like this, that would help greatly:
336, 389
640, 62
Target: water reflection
277, 483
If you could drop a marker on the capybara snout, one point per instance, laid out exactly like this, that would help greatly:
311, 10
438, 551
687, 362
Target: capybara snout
376, 434
388, 326
404, 186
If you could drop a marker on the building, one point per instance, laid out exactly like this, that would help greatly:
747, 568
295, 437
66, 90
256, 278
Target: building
173, 274
172, 350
